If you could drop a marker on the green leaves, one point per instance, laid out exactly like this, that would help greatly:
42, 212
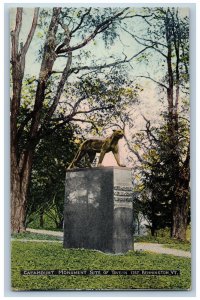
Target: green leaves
52, 156
161, 173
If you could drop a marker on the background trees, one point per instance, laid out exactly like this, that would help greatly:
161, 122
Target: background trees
166, 164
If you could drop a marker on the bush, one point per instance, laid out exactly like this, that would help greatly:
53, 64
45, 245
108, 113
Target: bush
49, 224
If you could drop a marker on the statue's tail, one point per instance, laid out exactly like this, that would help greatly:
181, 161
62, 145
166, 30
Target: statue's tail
76, 157
69, 167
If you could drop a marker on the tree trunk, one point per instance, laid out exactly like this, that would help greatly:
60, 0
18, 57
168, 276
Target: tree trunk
180, 201
180, 207
60, 224
19, 190
41, 218
20, 165
152, 231
180, 216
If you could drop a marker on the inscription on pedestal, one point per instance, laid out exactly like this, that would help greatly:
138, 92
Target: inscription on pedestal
123, 196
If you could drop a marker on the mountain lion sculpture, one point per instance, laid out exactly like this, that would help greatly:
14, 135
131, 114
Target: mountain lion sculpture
93, 146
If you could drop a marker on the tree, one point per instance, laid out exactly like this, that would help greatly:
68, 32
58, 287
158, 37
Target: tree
67, 31
159, 177
167, 35
20, 164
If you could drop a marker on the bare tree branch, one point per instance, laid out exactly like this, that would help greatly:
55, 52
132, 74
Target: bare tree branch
144, 39
159, 83
48, 60
18, 66
81, 21
15, 33
65, 75
148, 130
136, 15
95, 109
135, 152
75, 113
31, 32
76, 70
99, 28
153, 43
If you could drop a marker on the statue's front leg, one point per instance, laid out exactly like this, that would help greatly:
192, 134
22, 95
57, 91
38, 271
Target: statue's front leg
101, 157
116, 155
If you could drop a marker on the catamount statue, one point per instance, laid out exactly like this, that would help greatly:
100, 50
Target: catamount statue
93, 146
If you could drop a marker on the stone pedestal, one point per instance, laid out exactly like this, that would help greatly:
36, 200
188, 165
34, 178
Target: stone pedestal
98, 211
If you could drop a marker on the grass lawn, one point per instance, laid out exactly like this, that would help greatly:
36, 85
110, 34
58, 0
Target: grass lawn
179, 246
51, 256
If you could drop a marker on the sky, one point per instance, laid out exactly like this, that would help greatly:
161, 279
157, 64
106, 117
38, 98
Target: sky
150, 105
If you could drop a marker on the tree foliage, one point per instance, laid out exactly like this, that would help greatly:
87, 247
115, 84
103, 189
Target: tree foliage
52, 155
159, 175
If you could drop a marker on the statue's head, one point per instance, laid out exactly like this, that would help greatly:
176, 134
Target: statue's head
118, 133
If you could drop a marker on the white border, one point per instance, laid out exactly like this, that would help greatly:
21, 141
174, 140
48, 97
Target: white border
4, 157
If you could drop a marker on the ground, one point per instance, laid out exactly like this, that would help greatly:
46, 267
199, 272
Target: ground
49, 254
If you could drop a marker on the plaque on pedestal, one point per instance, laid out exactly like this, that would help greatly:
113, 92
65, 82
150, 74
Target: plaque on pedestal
98, 211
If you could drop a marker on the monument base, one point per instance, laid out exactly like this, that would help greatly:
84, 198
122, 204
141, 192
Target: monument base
98, 212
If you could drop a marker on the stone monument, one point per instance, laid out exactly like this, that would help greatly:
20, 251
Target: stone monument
98, 212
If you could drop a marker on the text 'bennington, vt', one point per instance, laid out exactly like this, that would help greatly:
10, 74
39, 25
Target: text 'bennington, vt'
101, 272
